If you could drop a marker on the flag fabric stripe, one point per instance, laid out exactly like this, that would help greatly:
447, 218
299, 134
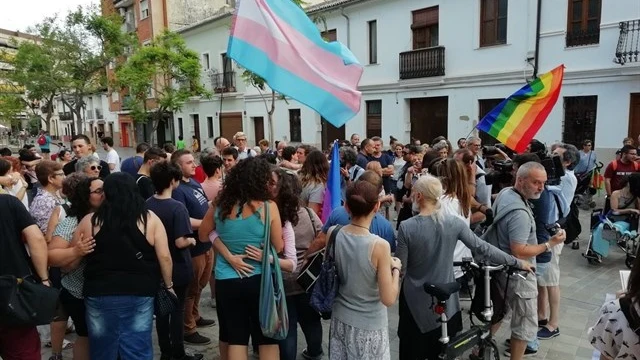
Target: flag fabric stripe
517, 119
293, 15
283, 33
257, 36
277, 41
332, 193
306, 93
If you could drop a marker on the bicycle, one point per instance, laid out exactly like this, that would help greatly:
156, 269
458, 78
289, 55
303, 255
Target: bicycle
479, 334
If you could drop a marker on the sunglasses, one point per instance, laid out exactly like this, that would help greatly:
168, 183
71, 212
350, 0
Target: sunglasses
96, 167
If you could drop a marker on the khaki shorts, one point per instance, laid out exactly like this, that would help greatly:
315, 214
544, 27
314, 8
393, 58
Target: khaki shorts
551, 277
524, 317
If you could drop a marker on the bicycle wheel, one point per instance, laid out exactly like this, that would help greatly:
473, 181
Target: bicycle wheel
491, 351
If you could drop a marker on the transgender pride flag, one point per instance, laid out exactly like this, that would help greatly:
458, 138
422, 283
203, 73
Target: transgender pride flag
332, 194
276, 40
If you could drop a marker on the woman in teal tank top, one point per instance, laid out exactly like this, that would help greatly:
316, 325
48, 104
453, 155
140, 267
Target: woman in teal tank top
238, 218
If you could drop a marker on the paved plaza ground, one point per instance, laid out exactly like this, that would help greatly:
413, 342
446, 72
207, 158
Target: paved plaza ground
583, 286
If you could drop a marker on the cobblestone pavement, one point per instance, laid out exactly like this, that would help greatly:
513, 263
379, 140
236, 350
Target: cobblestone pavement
583, 290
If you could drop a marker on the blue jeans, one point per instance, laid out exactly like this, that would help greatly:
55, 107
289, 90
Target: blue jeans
120, 326
301, 312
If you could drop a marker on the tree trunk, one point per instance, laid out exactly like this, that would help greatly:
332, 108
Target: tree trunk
270, 116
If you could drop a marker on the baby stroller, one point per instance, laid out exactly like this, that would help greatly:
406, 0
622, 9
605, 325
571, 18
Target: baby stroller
607, 230
585, 190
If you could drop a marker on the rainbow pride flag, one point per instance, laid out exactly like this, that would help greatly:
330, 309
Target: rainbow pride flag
517, 119
332, 193
276, 40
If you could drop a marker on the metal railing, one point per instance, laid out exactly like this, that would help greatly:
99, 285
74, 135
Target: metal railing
580, 38
628, 49
224, 82
65, 116
421, 63
89, 114
99, 114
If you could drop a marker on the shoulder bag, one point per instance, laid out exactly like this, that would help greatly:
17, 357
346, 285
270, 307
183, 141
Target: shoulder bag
274, 318
326, 287
311, 270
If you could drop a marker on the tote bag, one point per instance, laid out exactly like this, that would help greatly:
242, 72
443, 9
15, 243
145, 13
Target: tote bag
274, 319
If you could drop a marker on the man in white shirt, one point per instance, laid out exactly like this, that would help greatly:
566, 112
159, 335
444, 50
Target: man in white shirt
240, 140
112, 156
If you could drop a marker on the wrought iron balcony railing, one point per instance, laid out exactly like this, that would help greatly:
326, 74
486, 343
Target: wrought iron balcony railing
628, 49
421, 63
580, 38
224, 82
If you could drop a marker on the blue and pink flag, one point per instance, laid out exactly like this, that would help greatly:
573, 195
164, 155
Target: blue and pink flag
332, 194
276, 40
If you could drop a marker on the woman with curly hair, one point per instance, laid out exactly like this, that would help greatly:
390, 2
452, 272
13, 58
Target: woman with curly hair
313, 176
238, 216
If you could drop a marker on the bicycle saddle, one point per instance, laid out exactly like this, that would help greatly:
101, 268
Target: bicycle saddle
442, 292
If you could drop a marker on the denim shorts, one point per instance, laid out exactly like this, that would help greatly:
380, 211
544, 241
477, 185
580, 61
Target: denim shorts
120, 325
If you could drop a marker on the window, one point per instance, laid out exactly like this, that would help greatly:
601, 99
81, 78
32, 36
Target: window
115, 96
373, 42
205, 61
295, 127
579, 119
424, 28
210, 126
583, 22
180, 128
330, 35
493, 22
374, 118
144, 9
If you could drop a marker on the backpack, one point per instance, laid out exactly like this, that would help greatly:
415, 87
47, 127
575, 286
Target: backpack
614, 165
326, 286
626, 306
42, 140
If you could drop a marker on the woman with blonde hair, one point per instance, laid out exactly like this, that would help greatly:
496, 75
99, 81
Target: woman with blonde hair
426, 247
313, 176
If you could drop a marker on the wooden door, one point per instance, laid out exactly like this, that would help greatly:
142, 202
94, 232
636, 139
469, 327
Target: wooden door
429, 118
258, 127
634, 116
330, 133
230, 124
196, 127
124, 130
485, 106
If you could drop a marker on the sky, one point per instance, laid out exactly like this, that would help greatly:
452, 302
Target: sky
21, 14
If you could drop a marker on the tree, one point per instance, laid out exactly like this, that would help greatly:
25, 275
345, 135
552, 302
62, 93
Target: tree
261, 84
31, 79
160, 78
11, 109
81, 46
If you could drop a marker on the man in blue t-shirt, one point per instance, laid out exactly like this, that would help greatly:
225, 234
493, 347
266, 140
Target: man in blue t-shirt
339, 216
45, 147
132, 165
190, 193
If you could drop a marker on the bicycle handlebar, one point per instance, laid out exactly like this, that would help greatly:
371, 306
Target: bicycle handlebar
484, 266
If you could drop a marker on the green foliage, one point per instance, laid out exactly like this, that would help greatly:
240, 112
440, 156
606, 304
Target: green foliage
11, 109
165, 70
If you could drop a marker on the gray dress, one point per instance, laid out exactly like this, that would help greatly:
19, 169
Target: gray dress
359, 325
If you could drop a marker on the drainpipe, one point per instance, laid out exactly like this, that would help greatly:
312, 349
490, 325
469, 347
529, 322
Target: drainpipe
537, 51
348, 27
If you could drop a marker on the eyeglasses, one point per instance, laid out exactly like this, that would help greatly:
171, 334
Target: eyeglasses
96, 167
241, 139
58, 174
98, 191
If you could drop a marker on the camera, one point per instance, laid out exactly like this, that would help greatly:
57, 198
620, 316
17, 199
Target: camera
553, 229
553, 167
501, 174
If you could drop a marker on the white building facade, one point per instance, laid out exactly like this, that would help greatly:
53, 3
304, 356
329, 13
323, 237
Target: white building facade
434, 68
97, 119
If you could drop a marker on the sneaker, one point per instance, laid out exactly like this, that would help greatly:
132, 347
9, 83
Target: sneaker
196, 339
305, 354
203, 323
542, 323
527, 352
546, 334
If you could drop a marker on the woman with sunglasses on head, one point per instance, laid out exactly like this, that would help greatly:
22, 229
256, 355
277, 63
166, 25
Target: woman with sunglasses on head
89, 166
85, 196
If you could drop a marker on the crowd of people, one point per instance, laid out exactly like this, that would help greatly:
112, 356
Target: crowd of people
110, 235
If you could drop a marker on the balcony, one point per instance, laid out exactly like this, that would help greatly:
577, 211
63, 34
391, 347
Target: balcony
422, 63
582, 37
89, 114
223, 82
126, 102
122, 3
99, 114
628, 49
65, 116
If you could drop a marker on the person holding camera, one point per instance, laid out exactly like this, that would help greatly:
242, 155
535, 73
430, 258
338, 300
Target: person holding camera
514, 232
